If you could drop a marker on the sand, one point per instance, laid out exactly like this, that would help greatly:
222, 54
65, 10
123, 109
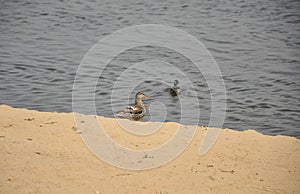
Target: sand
43, 152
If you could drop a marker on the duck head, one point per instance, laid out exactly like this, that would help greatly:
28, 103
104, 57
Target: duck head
140, 95
176, 82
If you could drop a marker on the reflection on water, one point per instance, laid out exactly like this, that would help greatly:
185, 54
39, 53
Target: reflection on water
256, 45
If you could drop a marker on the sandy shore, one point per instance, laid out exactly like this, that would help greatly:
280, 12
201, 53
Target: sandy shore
44, 153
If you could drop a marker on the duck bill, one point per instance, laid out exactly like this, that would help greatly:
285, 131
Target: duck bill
146, 96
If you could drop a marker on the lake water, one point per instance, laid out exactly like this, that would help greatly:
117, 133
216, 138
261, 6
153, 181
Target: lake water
255, 44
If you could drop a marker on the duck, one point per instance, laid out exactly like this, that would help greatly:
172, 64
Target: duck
136, 111
175, 90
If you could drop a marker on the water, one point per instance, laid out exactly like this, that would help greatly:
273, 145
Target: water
256, 45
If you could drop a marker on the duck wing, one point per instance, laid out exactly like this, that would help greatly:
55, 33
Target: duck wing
134, 109
174, 91
129, 111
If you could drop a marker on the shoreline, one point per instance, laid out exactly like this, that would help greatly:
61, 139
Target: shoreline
42, 152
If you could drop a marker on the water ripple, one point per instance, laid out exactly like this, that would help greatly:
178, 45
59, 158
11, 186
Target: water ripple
256, 44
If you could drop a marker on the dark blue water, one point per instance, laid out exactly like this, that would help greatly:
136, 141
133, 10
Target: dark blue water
256, 45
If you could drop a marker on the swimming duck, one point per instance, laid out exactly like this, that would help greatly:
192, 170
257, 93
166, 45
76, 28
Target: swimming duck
136, 111
175, 90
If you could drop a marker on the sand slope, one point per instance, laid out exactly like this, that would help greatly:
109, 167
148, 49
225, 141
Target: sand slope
43, 153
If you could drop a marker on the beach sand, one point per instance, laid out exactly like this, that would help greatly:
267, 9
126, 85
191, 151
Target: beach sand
43, 152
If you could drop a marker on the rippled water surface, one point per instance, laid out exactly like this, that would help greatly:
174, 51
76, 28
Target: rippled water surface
255, 44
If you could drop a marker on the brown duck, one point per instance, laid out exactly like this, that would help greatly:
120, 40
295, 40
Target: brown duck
136, 111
